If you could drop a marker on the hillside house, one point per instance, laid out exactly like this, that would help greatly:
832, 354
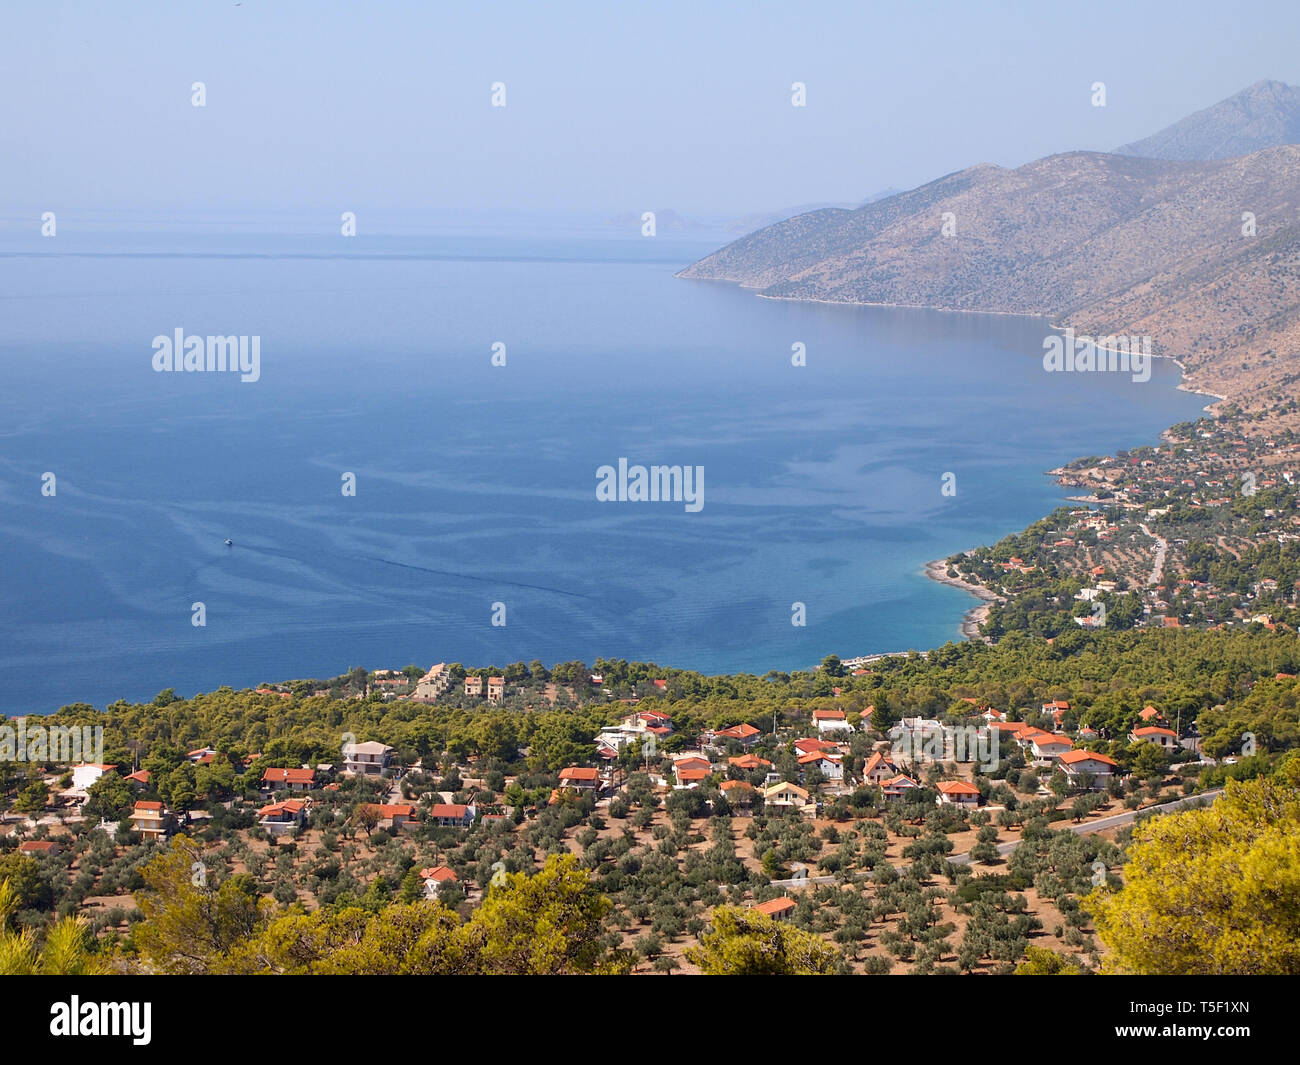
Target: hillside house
87, 773
745, 734
897, 787
580, 779
1165, 738
152, 820
287, 780
366, 759
1088, 767
434, 877
787, 796
831, 721
283, 818
452, 815
777, 909
958, 793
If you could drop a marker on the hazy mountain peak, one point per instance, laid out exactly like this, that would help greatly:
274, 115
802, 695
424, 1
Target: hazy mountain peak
1263, 115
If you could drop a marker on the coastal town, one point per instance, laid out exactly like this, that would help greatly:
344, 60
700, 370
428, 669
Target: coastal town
956, 840
1200, 531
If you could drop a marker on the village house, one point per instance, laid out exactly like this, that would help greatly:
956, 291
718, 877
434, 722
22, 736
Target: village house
738, 792
288, 780
282, 818
37, 847
811, 745
897, 787
452, 815
152, 820
917, 735
749, 762
831, 766
634, 727
786, 796
1166, 738
650, 721
202, 756
396, 815
365, 759
831, 721
1047, 745
433, 684
691, 771
879, 768
745, 734
1088, 767
1013, 729
474, 686
580, 779
434, 877
85, 774
496, 689
777, 909
138, 779
958, 793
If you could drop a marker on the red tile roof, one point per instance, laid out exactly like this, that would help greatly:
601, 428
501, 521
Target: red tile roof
578, 773
1071, 757
289, 806
739, 732
289, 776
816, 756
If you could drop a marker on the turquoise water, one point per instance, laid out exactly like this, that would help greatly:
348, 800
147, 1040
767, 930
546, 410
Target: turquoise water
475, 484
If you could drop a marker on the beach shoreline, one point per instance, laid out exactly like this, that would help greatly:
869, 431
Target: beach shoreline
937, 571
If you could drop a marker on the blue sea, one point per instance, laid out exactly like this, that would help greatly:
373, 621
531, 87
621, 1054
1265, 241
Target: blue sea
475, 483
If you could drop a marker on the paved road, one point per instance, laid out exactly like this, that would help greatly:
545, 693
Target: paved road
1086, 828
1158, 568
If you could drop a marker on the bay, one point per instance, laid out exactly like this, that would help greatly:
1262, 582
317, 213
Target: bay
476, 483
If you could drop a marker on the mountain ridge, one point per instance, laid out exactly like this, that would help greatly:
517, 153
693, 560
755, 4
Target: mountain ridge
1263, 115
1203, 256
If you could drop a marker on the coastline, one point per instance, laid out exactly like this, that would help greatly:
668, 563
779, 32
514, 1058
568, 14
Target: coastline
937, 571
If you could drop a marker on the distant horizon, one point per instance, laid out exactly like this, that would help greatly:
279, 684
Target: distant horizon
690, 110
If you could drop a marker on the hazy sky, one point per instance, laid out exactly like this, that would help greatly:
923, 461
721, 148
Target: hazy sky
611, 106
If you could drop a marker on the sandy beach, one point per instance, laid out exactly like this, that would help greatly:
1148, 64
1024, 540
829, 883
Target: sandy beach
974, 617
